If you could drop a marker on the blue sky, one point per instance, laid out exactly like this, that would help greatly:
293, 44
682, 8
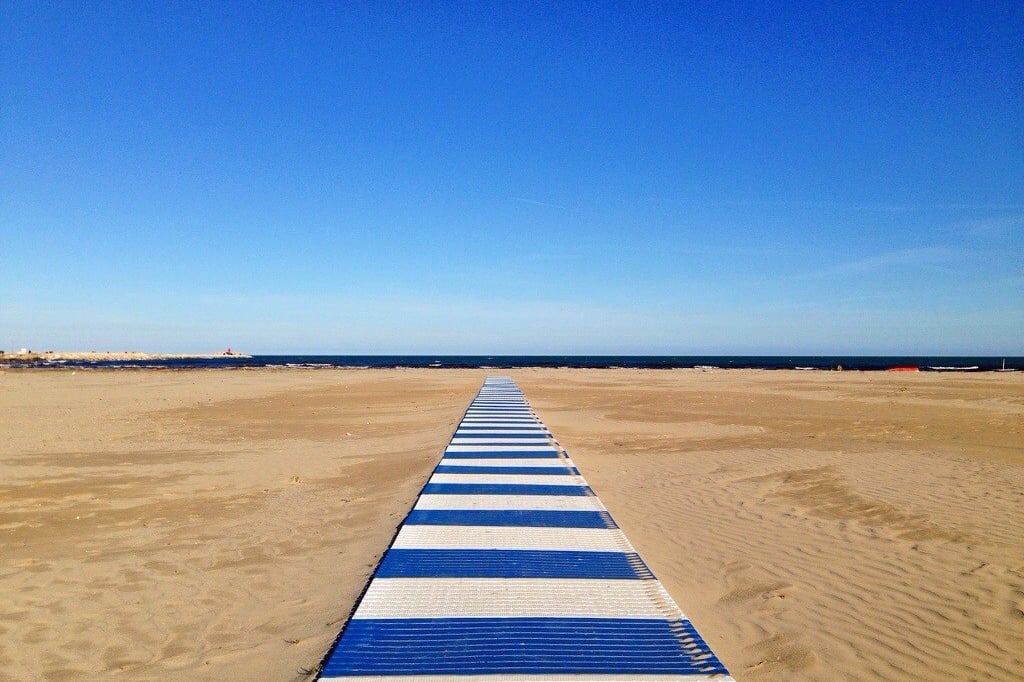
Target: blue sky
492, 178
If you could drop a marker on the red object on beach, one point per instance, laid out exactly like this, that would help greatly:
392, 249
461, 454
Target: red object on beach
904, 368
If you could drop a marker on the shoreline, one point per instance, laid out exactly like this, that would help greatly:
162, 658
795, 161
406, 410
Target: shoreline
962, 364
108, 356
117, 364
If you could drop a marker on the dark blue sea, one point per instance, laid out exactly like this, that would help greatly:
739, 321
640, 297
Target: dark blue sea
809, 362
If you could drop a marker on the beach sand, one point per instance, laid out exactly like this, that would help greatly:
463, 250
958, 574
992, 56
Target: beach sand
202, 525
817, 525
212, 525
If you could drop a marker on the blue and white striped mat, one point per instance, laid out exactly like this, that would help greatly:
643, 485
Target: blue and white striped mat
510, 568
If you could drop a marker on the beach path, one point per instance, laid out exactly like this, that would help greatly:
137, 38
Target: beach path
509, 567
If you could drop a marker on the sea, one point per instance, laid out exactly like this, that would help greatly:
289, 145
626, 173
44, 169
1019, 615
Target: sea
707, 362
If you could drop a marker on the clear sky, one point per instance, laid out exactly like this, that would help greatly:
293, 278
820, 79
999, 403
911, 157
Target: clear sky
414, 177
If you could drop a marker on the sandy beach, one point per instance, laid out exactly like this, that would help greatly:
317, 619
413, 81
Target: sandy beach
219, 524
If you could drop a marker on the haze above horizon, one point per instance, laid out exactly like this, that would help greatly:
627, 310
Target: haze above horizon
736, 178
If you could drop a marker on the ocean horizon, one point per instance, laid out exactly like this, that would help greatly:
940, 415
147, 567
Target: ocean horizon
926, 363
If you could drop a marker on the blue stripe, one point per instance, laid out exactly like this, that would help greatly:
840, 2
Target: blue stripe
505, 489
510, 517
499, 408
531, 471
492, 646
503, 427
503, 417
502, 423
511, 563
496, 441
498, 434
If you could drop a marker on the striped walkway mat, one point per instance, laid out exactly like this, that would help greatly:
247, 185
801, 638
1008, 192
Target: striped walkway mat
510, 568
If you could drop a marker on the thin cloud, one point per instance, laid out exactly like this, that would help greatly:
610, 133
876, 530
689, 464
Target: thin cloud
914, 208
830, 205
534, 202
925, 256
1002, 226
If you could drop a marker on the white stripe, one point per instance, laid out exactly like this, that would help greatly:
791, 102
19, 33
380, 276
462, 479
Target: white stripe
508, 537
539, 479
501, 430
518, 597
510, 462
503, 502
491, 414
500, 448
464, 440
472, 421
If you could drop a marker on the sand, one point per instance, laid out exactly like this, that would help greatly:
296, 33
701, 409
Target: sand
816, 525
201, 525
